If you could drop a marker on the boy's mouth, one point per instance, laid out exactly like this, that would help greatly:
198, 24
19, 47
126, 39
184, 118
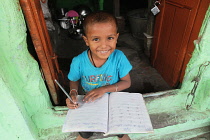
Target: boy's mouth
104, 51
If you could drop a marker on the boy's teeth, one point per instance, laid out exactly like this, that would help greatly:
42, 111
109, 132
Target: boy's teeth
103, 51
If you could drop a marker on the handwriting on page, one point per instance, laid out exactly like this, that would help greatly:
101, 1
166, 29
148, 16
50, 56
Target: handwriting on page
127, 113
95, 112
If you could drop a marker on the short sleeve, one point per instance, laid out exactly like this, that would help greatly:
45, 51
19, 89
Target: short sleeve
74, 73
124, 65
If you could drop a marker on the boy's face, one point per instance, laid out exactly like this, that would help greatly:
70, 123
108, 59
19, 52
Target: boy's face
102, 39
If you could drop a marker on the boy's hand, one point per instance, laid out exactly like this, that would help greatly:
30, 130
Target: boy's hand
69, 103
94, 94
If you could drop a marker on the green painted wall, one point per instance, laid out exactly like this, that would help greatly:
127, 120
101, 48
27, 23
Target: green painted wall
26, 112
201, 55
25, 104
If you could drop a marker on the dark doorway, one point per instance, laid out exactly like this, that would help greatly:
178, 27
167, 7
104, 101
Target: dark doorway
144, 77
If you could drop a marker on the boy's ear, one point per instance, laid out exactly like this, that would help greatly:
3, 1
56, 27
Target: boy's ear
86, 40
118, 35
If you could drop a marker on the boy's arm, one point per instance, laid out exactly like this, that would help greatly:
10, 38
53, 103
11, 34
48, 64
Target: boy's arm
94, 94
124, 83
73, 93
74, 85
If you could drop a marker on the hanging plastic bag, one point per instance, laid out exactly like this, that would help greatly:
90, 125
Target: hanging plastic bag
47, 15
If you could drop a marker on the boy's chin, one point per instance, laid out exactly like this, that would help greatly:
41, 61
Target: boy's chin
104, 58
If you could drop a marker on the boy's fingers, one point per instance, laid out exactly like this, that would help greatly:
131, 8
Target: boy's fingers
72, 107
67, 101
88, 97
94, 98
70, 104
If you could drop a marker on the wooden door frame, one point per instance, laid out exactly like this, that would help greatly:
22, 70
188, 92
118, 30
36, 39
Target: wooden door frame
203, 7
40, 37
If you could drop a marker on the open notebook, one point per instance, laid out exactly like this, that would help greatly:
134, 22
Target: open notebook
114, 113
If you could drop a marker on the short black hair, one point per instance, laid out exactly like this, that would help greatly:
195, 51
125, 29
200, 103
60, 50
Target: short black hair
98, 17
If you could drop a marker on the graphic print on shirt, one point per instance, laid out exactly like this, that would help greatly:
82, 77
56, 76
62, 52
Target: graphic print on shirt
95, 81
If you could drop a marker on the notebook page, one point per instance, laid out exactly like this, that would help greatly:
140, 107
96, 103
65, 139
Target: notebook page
128, 114
88, 117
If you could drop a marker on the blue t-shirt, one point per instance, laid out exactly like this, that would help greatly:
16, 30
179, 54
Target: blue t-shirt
116, 67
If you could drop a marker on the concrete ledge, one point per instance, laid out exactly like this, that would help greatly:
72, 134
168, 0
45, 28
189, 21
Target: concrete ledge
173, 125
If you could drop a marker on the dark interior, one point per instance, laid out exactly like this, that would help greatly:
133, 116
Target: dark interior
145, 78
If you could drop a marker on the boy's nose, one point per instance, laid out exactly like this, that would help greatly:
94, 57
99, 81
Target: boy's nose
104, 43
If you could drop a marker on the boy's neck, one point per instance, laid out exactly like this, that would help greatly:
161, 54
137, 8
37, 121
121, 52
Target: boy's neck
95, 62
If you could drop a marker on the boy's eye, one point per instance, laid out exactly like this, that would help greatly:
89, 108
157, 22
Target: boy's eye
95, 39
110, 38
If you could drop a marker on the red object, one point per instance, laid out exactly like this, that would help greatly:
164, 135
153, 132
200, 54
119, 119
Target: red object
72, 13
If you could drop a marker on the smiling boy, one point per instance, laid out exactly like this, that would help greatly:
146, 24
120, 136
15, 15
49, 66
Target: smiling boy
101, 68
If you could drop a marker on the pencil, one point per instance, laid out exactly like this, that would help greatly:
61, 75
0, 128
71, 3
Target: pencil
65, 92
